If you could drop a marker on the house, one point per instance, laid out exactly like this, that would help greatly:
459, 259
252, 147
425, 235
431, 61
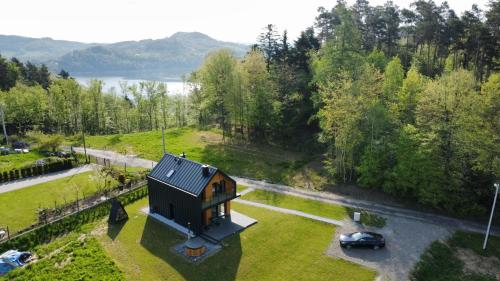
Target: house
189, 192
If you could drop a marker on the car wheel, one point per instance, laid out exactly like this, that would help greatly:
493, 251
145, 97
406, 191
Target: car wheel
376, 247
348, 246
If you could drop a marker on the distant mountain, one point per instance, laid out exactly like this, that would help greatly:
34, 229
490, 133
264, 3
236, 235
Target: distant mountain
172, 56
37, 49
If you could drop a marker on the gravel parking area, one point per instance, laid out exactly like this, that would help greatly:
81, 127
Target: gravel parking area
406, 240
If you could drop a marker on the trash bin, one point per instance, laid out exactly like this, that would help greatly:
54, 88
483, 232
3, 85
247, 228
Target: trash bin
357, 216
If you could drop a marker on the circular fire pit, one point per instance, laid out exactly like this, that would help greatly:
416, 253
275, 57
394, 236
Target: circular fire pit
194, 247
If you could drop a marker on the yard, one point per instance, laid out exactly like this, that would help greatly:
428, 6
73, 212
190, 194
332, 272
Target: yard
278, 247
19, 207
15, 160
77, 256
310, 206
253, 160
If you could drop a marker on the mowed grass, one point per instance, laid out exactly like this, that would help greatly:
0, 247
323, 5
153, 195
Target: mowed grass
18, 208
278, 247
309, 206
240, 188
76, 256
16, 161
252, 160
441, 260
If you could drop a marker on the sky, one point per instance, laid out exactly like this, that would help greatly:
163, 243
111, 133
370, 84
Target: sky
107, 21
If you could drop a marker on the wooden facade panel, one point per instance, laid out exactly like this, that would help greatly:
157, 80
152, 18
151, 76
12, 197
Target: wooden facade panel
207, 216
217, 178
227, 208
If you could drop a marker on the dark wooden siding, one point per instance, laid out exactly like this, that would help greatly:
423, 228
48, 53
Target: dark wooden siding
187, 208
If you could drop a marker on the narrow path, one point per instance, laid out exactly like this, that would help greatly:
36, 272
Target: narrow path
22, 183
117, 158
247, 190
290, 211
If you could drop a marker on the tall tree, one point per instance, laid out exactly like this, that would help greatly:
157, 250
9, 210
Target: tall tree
268, 42
217, 84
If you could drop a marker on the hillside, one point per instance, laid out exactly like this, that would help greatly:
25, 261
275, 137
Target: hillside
37, 49
172, 56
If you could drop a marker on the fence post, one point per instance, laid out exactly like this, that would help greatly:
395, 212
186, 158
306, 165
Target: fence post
125, 167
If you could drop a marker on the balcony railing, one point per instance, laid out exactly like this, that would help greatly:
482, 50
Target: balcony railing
216, 199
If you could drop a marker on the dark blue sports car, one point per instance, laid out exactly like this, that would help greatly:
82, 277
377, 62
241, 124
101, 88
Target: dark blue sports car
362, 239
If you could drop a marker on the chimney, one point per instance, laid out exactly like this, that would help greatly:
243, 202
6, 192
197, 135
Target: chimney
205, 170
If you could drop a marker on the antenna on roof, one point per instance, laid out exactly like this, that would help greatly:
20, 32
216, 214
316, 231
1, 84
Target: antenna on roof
163, 140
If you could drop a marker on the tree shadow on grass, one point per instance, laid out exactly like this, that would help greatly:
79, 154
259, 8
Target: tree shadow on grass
159, 239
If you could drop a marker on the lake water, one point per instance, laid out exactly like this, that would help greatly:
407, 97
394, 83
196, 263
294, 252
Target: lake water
173, 87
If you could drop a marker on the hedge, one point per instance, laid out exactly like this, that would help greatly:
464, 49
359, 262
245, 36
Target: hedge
26, 172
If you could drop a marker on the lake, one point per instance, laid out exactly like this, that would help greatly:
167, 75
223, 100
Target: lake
173, 87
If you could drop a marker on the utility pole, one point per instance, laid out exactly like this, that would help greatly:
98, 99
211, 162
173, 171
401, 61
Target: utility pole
497, 185
84, 146
163, 140
3, 125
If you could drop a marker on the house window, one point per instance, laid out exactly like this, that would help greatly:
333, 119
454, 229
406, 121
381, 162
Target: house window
223, 186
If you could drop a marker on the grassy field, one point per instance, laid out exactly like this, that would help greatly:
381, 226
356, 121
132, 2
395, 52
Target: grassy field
18, 208
252, 160
76, 256
314, 207
15, 161
445, 260
278, 247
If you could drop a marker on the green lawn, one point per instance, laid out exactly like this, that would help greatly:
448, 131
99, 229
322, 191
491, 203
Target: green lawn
309, 206
278, 247
18, 208
252, 160
76, 256
240, 188
15, 161
313, 207
440, 261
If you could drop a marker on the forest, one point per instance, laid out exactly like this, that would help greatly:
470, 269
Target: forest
404, 100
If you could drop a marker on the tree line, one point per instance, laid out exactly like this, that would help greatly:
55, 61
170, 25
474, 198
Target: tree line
405, 101
402, 100
33, 99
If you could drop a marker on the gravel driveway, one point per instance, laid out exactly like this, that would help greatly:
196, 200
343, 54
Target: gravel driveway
406, 240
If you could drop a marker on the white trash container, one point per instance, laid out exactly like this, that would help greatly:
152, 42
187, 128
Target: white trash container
357, 216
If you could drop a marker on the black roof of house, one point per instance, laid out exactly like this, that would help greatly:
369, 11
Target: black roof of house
187, 175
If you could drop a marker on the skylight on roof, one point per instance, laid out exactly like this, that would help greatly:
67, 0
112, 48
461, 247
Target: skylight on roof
170, 173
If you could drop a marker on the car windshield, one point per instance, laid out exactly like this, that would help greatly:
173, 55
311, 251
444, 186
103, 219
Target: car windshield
356, 235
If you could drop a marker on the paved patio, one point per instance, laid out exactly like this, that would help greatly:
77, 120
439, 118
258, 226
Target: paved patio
229, 226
